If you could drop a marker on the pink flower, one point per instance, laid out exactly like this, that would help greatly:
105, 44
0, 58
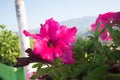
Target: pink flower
54, 41
116, 18
29, 75
111, 18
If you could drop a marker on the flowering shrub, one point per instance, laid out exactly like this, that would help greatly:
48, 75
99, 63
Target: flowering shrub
59, 57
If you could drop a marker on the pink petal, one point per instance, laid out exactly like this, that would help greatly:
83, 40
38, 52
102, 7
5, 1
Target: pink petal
93, 26
51, 28
32, 35
69, 35
26, 33
111, 18
47, 54
57, 52
67, 57
44, 30
39, 46
106, 36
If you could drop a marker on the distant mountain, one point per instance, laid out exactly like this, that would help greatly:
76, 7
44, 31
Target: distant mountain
82, 24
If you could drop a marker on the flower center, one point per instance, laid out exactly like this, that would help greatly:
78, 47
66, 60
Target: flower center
50, 43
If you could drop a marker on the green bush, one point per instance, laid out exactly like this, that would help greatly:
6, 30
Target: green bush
9, 46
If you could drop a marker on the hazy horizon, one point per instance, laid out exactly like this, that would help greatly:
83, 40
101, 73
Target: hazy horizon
38, 11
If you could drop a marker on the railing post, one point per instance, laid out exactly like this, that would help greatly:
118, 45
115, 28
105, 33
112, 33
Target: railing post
22, 25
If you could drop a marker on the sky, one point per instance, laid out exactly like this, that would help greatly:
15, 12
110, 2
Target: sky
37, 11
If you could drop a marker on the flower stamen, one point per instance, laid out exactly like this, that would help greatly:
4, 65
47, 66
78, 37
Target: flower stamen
50, 43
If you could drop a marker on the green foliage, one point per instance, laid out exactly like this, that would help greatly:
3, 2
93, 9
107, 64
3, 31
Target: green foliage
31, 42
9, 46
100, 57
95, 60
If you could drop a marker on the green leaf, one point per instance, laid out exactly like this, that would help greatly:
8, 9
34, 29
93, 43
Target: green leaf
36, 65
97, 73
112, 76
96, 29
2, 26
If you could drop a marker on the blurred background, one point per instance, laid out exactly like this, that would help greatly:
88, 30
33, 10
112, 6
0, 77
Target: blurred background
80, 13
